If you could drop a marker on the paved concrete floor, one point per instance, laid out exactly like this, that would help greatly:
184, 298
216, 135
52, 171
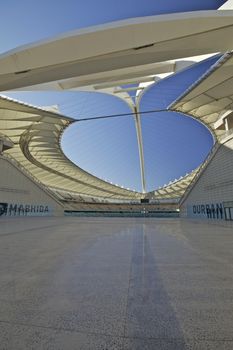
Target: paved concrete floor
104, 284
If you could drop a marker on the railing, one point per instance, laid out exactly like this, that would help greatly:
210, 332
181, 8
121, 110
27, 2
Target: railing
168, 214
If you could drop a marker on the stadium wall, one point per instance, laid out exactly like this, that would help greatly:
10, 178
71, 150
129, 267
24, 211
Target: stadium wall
20, 195
211, 195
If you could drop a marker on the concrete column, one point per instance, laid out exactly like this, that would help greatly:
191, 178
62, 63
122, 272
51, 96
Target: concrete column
1, 146
226, 124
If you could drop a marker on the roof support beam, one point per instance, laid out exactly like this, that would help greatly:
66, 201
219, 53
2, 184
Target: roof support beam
140, 148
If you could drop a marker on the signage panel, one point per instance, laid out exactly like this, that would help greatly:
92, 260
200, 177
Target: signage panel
206, 211
19, 209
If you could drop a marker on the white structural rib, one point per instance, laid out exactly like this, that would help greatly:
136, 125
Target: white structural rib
227, 6
140, 148
137, 42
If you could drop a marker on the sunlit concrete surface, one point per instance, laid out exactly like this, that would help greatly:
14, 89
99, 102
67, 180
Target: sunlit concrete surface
111, 283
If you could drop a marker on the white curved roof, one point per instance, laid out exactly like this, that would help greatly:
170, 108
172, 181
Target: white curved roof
36, 134
100, 58
127, 44
211, 96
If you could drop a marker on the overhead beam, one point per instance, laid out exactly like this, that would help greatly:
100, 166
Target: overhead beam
137, 42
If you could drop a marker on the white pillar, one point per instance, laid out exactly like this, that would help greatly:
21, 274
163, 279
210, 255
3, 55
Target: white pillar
226, 124
1, 146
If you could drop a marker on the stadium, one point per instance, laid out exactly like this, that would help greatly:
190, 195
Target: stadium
87, 263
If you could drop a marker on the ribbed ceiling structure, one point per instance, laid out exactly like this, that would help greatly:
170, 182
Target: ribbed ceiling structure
36, 135
211, 96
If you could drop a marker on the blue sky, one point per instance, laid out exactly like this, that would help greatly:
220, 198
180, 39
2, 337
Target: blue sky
108, 148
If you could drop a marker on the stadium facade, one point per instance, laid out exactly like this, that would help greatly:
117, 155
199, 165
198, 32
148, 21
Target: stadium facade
37, 179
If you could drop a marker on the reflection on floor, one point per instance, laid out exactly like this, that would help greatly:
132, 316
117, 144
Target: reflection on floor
111, 283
